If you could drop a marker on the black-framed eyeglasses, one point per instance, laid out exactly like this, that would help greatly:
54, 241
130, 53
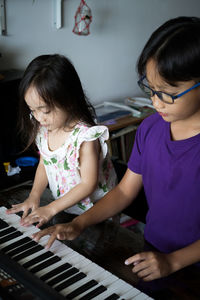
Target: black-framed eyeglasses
165, 97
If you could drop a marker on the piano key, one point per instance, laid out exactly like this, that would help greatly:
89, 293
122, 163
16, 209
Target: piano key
28, 253
131, 294
85, 280
106, 278
33, 259
112, 297
52, 261
80, 261
141, 296
3, 224
120, 288
97, 291
55, 271
23, 233
89, 281
22, 248
62, 276
64, 258
70, 281
52, 267
37, 259
10, 237
7, 231
34, 253
16, 244
92, 271
81, 289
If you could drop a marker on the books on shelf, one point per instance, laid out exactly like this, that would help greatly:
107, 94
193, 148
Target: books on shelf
109, 111
144, 105
109, 117
138, 102
114, 112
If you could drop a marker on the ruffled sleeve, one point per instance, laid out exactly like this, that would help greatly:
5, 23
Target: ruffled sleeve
86, 134
94, 133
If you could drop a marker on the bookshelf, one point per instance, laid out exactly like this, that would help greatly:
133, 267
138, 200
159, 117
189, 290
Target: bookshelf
122, 119
122, 135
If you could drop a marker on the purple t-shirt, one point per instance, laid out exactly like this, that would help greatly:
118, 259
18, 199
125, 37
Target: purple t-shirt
171, 179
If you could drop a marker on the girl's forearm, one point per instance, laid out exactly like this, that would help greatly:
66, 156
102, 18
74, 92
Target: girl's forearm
184, 257
40, 181
75, 195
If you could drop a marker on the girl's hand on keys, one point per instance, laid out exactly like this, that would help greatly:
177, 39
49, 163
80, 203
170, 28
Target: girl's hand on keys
68, 231
40, 215
30, 204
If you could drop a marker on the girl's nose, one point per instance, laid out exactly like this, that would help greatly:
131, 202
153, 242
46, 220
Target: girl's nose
157, 103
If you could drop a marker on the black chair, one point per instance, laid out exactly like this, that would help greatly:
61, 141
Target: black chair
138, 208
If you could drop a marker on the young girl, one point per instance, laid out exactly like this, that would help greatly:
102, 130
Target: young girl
73, 152
165, 158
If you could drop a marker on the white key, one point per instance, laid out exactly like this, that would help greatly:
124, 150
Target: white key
131, 294
52, 267
91, 270
118, 287
141, 296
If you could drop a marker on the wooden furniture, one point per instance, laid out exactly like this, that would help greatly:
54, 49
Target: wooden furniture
122, 134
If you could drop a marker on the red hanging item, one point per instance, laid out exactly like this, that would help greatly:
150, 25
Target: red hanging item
83, 18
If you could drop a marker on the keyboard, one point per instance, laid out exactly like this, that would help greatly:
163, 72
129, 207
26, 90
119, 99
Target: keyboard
57, 273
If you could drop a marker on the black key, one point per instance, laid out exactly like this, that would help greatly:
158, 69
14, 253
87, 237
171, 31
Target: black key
70, 281
3, 224
38, 259
55, 271
16, 244
7, 231
28, 252
94, 293
85, 287
112, 297
10, 237
62, 276
22, 248
45, 264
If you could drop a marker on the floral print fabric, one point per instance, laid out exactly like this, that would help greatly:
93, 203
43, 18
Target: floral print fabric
62, 165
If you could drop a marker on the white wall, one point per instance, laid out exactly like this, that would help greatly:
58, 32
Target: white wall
106, 59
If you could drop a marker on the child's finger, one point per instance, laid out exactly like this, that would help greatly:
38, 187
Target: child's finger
50, 241
38, 235
14, 209
135, 259
40, 223
25, 214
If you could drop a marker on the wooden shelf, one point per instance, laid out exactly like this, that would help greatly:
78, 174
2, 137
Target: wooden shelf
124, 122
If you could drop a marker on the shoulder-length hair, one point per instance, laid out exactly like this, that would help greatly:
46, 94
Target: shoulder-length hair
58, 84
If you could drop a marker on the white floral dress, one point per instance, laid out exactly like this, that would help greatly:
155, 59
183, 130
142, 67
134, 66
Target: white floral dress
62, 165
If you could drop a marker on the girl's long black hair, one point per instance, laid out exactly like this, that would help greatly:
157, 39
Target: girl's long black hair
175, 47
58, 84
